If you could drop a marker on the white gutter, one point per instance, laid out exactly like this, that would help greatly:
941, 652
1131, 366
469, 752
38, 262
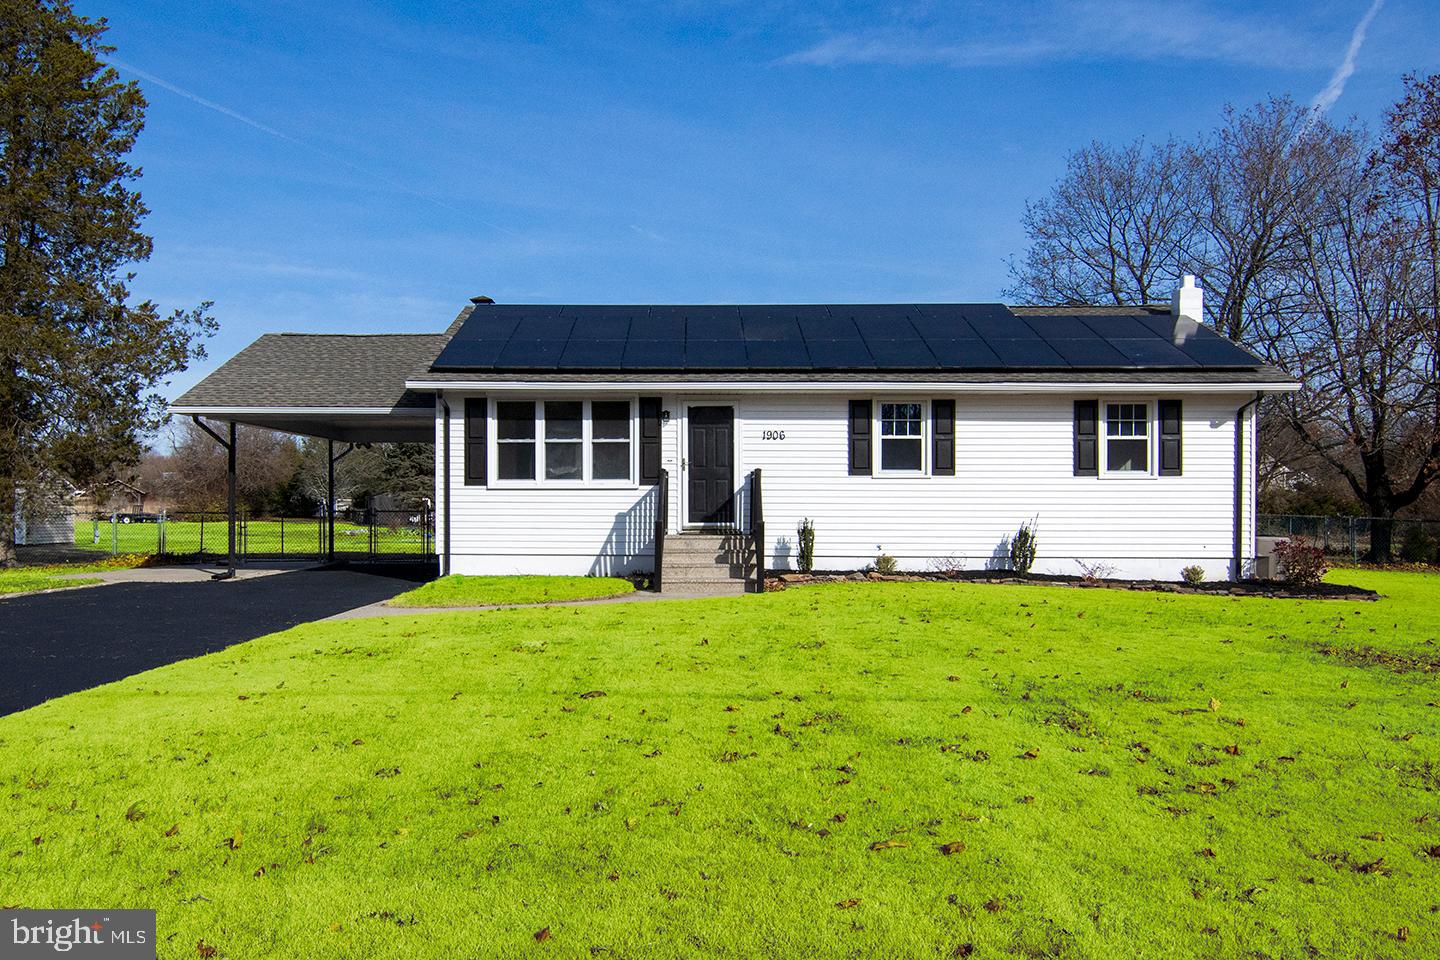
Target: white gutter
848, 386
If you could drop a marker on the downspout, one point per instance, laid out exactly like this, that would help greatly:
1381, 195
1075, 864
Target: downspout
1240, 482
445, 486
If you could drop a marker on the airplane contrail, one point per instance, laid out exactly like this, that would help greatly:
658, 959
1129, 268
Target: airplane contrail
282, 135
1326, 98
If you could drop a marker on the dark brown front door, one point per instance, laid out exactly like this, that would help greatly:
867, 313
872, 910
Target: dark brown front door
710, 475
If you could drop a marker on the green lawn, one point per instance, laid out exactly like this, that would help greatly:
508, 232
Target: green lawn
1114, 774
463, 591
303, 537
27, 579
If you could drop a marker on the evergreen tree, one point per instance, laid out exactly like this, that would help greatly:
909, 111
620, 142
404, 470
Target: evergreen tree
78, 360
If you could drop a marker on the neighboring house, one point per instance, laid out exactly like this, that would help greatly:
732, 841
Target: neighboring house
928, 432
44, 524
111, 497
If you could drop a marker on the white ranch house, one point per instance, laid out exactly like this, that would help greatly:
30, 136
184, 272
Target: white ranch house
579, 439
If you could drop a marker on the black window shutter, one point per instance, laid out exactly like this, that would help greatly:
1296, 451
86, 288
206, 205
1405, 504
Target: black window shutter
1170, 419
649, 441
476, 422
860, 456
942, 443
1087, 440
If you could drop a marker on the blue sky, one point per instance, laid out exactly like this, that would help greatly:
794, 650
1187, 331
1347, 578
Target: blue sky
369, 166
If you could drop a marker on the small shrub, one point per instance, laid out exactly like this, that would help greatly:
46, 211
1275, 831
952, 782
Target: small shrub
1303, 563
885, 563
946, 565
1193, 574
805, 533
1022, 548
1094, 572
1417, 546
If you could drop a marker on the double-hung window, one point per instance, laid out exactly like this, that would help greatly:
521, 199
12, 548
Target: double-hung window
902, 437
564, 441
515, 439
1127, 438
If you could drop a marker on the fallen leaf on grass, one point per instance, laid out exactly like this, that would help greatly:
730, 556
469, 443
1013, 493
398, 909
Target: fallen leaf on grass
542, 934
1377, 836
589, 695
967, 709
234, 842
964, 950
887, 844
994, 906
1214, 705
954, 846
1374, 866
1233, 749
1433, 851
952, 678
1030, 754
1206, 852
847, 904
173, 830
205, 950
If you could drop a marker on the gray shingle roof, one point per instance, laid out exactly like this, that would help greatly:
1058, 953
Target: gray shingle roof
321, 370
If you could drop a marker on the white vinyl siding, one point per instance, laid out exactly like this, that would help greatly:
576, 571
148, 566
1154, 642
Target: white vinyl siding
1014, 462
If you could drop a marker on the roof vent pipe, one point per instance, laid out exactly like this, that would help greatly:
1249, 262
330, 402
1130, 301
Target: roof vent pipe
1189, 300
481, 299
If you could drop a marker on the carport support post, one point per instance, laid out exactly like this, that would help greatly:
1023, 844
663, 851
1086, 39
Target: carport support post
330, 500
229, 446
230, 496
332, 459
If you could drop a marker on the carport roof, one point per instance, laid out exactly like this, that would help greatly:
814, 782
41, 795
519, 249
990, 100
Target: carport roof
340, 386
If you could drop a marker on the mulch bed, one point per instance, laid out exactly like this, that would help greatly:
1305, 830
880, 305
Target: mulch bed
1242, 588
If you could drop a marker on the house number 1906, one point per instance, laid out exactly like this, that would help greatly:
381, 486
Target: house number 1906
772, 434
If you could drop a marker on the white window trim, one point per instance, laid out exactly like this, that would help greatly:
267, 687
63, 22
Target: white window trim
1152, 427
586, 438
876, 454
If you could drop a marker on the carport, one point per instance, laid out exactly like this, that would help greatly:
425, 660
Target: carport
346, 389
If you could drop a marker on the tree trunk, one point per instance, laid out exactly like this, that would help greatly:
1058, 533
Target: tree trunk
1382, 536
7, 524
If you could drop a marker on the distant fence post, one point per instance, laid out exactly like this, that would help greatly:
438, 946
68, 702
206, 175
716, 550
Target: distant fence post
114, 535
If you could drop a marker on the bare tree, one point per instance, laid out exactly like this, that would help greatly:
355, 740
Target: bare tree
1115, 229
1360, 342
1258, 173
267, 464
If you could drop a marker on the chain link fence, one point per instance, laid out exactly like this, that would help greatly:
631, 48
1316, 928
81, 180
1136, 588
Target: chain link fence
1417, 541
201, 535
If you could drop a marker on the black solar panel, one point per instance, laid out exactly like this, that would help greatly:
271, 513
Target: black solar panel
530, 354
970, 353
654, 354
1026, 353
839, 354
777, 354
835, 337
901, 353
597, 354
1087, 353
715, 354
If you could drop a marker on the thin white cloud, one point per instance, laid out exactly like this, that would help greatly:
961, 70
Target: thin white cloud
1067, 31
1326, 98
196, 98
265, 128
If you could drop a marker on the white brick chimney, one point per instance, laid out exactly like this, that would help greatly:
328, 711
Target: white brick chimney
1189, 300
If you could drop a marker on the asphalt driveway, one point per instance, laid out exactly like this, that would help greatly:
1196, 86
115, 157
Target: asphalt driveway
56, 643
